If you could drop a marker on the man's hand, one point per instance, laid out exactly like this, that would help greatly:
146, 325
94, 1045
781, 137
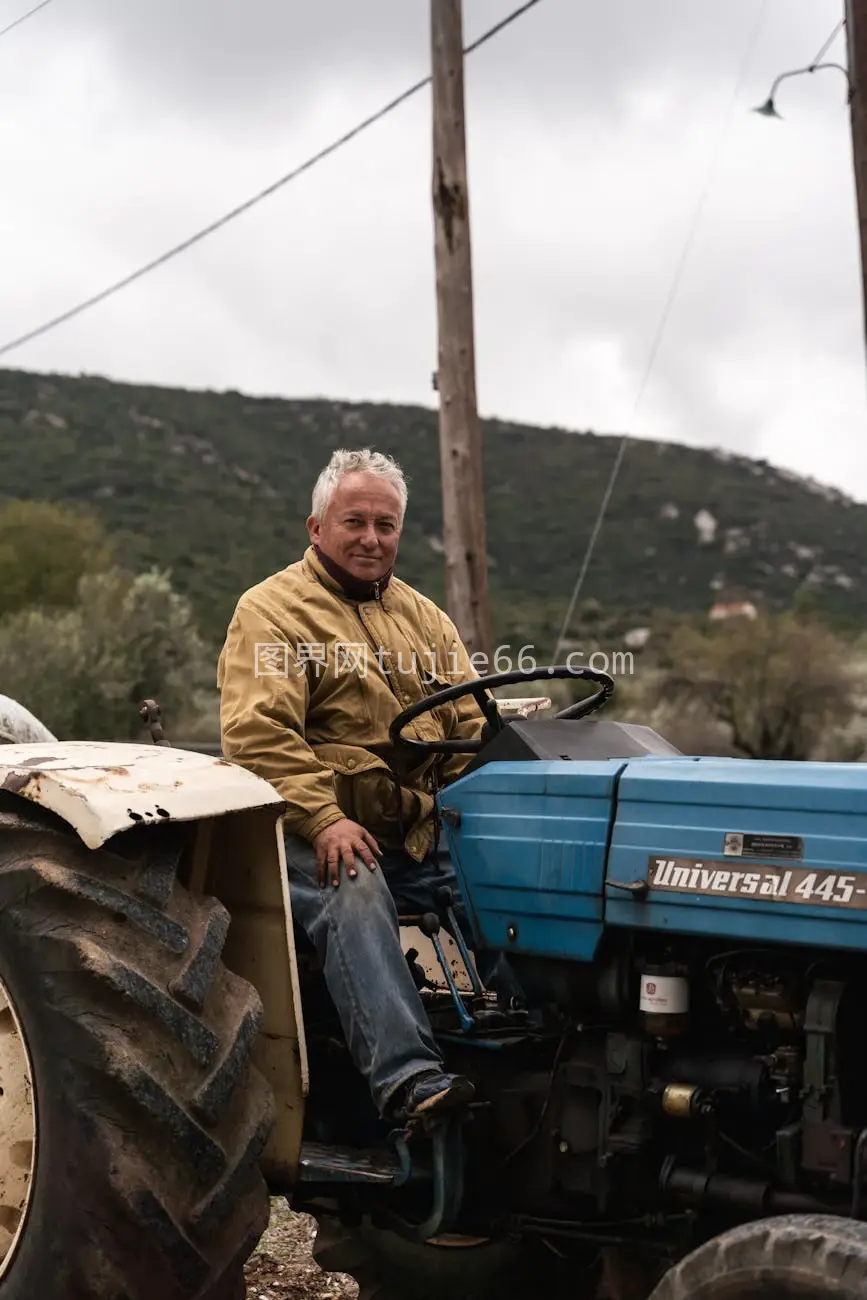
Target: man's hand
343, 840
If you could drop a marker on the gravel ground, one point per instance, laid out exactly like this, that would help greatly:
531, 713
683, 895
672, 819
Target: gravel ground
281, 1268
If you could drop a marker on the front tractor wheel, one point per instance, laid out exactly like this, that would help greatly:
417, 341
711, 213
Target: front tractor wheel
792, 1257
131, 1119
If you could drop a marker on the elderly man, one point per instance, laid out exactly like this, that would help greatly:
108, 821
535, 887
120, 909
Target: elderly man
318, 660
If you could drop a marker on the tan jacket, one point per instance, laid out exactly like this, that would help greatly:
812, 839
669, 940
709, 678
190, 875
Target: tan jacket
310, 681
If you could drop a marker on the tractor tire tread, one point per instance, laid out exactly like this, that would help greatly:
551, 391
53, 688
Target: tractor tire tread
827, 1250
156, 1037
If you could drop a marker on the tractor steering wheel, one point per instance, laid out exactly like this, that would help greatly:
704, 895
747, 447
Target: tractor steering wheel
488, 706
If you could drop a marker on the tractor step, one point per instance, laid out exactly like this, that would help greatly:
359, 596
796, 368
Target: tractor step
320, 1163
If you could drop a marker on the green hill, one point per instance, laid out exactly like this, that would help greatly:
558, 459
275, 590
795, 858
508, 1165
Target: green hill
216, 487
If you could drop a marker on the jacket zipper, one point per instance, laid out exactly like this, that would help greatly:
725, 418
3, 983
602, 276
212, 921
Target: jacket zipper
386, 674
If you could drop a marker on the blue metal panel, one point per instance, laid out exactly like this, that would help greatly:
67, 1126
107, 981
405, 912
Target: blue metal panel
530, 850
683, 808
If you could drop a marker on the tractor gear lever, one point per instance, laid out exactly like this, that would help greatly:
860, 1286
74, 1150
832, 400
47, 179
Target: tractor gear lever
429, 924
445, 898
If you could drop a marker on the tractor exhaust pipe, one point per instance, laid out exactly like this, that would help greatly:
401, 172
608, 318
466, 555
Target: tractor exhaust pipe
696, 1188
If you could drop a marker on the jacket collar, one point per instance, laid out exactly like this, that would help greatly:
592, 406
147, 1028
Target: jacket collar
337, 580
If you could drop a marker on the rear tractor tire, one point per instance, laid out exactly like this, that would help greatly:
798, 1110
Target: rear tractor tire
131, 1119
792, 1257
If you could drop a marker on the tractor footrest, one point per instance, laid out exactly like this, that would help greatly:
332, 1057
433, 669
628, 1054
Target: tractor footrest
320, 1163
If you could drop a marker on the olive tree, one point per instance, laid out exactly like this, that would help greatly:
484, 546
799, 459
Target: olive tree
782, 686
45, 550
83, 671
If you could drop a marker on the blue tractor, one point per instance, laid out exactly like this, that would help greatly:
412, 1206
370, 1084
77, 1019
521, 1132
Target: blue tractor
671, 1056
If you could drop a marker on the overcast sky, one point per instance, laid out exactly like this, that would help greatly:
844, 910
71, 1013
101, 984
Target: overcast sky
593, 130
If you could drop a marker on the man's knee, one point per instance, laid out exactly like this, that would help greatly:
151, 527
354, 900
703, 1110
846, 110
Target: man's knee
366, 892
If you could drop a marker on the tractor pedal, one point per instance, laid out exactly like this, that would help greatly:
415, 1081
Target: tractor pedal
320, 1163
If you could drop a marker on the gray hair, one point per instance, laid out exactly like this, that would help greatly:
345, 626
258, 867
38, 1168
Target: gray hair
349, 462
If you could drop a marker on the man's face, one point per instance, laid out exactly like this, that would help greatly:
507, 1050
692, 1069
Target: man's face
361, 527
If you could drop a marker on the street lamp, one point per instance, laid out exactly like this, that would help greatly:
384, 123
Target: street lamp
769, 108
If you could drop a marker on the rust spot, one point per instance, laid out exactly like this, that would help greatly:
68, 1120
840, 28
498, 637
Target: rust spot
21, 1154
16, 781
73, 776
10, 1217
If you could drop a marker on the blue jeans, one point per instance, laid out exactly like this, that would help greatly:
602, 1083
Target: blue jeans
354, 930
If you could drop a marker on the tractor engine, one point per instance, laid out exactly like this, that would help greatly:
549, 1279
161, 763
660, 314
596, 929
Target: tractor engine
689, 1080
690, 935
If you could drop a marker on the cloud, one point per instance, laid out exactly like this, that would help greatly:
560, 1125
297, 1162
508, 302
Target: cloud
596, 133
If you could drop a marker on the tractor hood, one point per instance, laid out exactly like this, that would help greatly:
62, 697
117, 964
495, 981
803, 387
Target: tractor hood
101, 789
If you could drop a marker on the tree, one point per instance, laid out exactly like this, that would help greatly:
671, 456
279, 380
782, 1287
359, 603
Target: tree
84, 671
780, 684
45, 549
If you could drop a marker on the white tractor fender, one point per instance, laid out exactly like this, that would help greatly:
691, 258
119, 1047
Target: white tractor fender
102, 788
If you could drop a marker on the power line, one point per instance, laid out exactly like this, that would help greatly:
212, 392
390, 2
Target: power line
830, 41
660, 331
24, 17
257, 198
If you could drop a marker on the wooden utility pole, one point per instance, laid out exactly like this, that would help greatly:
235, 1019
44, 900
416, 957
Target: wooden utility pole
856, 34
465, 533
